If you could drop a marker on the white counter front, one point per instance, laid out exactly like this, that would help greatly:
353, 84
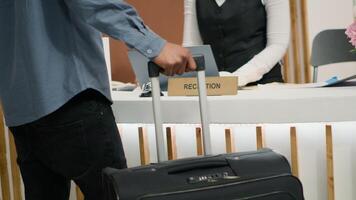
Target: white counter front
248, 107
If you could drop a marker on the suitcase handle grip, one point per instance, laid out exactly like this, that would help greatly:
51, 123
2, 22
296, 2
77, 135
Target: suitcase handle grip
154, 69
154, 72
196, 165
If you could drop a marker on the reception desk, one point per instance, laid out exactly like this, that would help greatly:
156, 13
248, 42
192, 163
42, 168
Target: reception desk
314, 128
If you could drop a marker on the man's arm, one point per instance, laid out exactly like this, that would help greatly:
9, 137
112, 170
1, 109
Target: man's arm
121, 21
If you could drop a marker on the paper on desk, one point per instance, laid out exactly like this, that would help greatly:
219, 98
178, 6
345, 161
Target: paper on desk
330, 82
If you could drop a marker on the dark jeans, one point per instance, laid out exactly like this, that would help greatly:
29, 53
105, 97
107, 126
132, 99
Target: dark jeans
74, 143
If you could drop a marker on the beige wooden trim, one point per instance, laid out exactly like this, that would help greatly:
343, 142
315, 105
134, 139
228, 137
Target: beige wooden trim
260, 138
229, 141
294, 151
4, 176
79, 193
199, 138
144, 147
305, 32
171, 144
295, 40
16, 177
286, 67
330, 162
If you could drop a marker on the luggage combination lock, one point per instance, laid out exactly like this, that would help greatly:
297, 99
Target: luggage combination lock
211, 178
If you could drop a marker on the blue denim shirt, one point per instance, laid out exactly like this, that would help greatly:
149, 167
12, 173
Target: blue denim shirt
50, 50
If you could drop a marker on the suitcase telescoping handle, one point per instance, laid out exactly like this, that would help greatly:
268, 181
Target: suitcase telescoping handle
154, 72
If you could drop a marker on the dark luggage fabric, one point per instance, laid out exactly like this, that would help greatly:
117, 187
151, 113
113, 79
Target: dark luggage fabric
258, 175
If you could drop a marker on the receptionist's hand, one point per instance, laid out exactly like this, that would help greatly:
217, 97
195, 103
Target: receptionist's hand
225, 73
241, 77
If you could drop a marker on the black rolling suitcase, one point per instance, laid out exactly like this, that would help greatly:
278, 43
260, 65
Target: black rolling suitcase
258, 175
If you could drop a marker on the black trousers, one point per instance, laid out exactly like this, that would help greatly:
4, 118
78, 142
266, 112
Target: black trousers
74, 143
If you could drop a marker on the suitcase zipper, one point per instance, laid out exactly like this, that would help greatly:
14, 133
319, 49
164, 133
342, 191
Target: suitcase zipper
266, 195
212, 187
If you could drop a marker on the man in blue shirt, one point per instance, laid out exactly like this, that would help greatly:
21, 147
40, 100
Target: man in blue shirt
55, 93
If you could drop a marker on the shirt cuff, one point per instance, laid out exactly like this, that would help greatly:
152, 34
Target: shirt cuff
150, 44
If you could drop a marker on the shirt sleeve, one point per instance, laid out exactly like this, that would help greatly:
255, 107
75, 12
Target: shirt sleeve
191, 34
119, 20
278, 37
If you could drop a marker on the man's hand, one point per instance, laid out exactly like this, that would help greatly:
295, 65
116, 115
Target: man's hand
175, 59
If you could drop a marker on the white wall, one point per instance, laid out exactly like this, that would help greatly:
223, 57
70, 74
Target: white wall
330, 14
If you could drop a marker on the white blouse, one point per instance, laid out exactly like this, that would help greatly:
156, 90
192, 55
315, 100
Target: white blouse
278, 37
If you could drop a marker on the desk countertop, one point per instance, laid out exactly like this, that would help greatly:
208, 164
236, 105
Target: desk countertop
248, 107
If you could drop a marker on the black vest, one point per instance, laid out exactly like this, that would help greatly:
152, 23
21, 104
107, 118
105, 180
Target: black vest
236, 31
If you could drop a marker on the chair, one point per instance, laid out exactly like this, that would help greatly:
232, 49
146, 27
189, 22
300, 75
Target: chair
331, 46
